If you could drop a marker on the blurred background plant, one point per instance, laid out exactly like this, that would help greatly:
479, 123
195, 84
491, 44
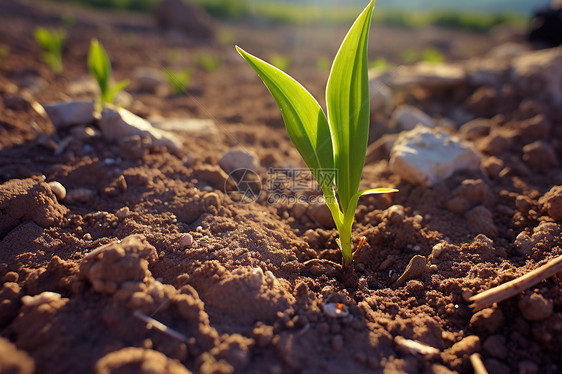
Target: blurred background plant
178, 79
52, 43
209, 62
280, 61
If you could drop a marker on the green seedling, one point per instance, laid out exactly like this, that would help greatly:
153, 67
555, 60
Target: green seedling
380, 63
100, 68
432, 55
208, 62
280, 61
409, 56
178, 79
333, 146
323, 64
4, 53
52, 42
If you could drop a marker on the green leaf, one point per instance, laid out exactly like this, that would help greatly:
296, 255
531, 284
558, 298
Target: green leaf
99, 66
118, 87
347, 102
304, 119
355, 198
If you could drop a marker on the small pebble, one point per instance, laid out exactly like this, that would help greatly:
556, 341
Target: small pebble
58, 189
186, 241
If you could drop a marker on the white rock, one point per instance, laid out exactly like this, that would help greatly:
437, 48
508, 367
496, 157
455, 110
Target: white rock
539, 73
335, 310
58, 189
188, 126
444, 75
238, 159
66, 114
487, 71
83, 86
407, 117
118, 123
149, 79
380, 95
507, 50
426, 156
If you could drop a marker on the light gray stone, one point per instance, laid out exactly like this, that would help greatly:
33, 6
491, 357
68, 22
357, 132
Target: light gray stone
149, 79
407, 117
539, 74
188, 126
427, 156
427, 75
66, 114
238, 159
118, 123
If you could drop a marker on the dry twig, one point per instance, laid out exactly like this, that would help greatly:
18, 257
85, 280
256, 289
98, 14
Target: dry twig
477, 364
512, 288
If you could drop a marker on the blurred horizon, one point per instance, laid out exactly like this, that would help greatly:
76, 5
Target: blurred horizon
517, 6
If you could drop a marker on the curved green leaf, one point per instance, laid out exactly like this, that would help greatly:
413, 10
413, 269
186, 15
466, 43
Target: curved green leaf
304, 119
347, 102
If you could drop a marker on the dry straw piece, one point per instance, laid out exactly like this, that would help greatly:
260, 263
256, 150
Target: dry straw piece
512, 288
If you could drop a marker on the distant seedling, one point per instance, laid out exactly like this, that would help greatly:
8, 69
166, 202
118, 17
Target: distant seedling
208, 62
333, 147
178, 79
280, 61
100, 68
4, 53
380, 63
52, 43
432, 55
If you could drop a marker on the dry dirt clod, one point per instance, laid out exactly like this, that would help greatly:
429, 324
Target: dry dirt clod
551, 203
535, 307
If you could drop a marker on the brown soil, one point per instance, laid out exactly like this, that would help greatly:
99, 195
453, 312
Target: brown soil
156, 235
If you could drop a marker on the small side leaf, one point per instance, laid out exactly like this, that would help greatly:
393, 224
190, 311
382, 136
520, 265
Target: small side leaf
118, 87
304, 119
350, 212
347, 102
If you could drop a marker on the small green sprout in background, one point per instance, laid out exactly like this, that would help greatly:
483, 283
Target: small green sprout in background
179, 79
52, 43
432, 55
208, 62
280, 61
100, 68
323, 63
333, 147
67, 20
4, 53
226, 37
380, 63
409, 56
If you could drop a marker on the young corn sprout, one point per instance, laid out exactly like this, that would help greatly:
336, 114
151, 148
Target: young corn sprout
178, 79
100, 68
52, 42
332, 146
